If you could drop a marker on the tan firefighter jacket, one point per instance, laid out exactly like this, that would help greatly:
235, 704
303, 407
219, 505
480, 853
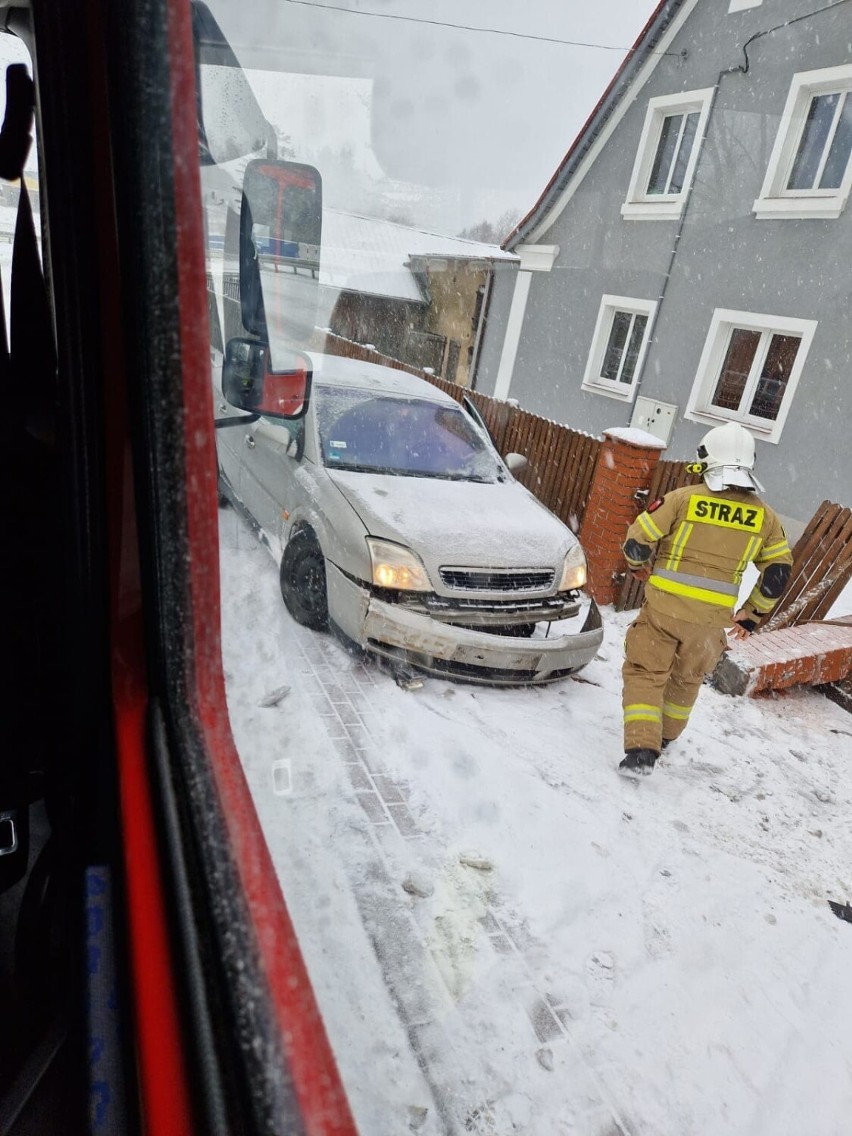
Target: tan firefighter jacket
704, 542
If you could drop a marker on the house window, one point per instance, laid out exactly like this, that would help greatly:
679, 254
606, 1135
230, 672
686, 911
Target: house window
618, 346
749, 370
810, 168
667, 154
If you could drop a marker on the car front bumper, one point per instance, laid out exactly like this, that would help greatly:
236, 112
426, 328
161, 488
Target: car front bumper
396, 632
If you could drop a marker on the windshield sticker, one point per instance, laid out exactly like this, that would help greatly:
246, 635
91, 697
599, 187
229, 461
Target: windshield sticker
337, 445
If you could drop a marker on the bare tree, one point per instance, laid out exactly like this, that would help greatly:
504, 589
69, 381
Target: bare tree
492, 232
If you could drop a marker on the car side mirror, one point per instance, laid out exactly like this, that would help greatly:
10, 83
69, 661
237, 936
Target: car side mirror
249, 383
516, 463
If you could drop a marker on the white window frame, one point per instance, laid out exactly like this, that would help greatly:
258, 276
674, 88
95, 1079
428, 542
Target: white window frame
776, 201
643, 206
592, 379
722, 325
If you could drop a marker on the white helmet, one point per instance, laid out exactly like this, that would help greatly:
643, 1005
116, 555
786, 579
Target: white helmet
727, 454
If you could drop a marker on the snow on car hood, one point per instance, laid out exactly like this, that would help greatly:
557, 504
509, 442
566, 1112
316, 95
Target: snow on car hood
463, 523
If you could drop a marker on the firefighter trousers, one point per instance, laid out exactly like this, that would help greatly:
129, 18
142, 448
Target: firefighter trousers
666, 660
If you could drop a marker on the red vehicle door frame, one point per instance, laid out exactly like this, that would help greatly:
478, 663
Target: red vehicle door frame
178, 768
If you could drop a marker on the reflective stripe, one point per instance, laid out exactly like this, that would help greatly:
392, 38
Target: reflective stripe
760, 602
679, 543
676, 588
642, 712
773, 551
705, 583
679, 713
750, 554
650, 528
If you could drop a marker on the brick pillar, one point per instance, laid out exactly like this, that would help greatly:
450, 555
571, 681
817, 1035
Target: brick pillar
625, 463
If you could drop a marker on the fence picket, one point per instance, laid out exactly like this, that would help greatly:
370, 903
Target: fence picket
822, 566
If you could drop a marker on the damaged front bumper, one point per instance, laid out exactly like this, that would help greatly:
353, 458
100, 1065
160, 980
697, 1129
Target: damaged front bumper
396, 632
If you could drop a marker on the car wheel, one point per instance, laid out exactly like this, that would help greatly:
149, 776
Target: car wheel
303, 582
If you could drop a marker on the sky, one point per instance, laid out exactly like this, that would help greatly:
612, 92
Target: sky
467, 121
521, 941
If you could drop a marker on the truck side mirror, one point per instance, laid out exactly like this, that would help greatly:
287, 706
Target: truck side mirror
249, 384
280, 240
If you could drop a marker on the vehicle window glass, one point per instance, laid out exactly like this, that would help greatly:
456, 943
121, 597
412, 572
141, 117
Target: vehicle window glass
589, 220
296, 431
13, 51
401, 436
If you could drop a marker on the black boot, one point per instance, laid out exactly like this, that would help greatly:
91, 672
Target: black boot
667, 742
638, 763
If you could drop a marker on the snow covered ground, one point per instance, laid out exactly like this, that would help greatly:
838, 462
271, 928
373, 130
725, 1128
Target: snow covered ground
505, 936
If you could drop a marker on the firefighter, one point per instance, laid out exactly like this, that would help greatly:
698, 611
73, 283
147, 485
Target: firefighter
691, 548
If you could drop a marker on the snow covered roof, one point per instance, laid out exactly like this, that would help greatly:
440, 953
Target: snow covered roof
365, 254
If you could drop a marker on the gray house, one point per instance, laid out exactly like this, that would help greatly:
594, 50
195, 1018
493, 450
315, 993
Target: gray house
690, 261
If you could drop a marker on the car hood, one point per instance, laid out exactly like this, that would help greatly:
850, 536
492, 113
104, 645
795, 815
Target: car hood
462, 523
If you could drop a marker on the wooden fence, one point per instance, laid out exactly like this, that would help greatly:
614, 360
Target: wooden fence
822, 567
561, 461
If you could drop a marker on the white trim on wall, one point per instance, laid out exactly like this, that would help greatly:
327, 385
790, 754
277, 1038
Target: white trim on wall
776, 200
534, 258
641, 204
512, 338
724, 322
593, 380
537, 258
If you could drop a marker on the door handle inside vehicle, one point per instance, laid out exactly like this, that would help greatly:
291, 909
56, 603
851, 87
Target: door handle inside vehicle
250, 442
8, 834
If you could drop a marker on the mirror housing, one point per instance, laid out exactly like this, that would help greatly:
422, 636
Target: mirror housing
280, 241
516, 463
249, 383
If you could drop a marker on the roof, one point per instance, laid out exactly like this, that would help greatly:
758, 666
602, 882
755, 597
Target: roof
364, 254
648, 39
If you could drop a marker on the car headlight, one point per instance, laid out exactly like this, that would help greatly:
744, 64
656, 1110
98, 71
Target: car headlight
573, 570
395, 566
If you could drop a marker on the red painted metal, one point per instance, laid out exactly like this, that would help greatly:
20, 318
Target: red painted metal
164, 1099
322, 1101
162, 1068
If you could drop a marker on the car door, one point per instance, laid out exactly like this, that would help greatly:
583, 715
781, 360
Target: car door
269, 455
230, 438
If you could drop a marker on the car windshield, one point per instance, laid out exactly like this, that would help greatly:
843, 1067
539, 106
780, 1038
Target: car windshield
407, 436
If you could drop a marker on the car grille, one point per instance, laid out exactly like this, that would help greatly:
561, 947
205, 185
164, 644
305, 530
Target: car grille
498, 579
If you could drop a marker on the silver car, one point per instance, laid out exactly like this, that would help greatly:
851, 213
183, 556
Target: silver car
395, 520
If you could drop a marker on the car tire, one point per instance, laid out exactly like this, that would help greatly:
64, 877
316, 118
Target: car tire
303, 585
